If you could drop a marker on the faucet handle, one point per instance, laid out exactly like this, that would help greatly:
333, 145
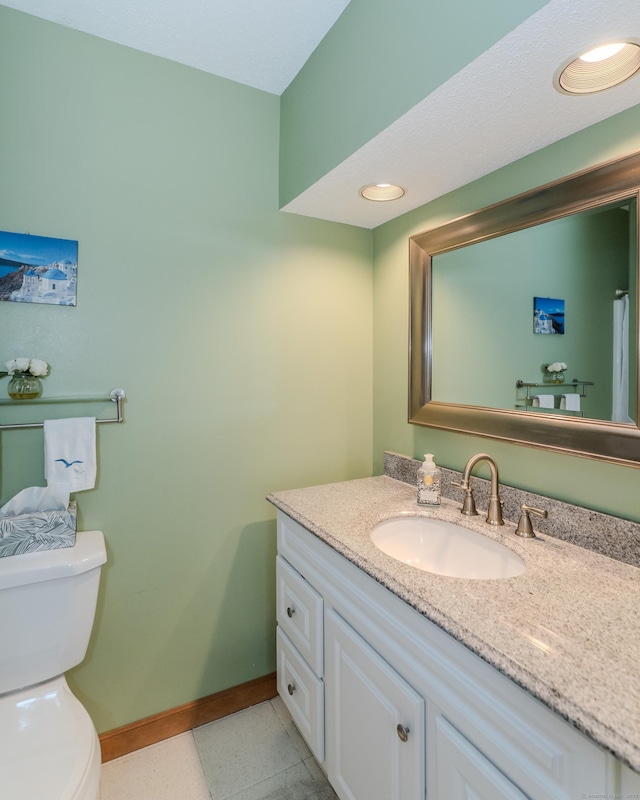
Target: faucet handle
524, 527
469, 504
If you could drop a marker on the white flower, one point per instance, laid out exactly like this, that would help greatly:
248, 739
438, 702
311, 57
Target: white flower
17, 365
35, 366
557, 366
38, 367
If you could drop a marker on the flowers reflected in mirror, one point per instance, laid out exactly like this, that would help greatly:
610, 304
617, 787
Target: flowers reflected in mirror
554, 373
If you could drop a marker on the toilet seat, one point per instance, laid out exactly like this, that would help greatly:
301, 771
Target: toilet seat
49, 747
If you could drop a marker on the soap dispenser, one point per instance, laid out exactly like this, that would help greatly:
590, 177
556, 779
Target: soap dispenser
429, 482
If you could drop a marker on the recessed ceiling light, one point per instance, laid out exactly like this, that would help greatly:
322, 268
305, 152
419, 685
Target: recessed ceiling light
598, 69
381, 191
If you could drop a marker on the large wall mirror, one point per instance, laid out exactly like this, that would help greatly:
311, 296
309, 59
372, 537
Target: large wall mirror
545, 279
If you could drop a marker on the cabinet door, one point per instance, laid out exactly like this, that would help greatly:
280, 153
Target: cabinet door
462, 772
376, 750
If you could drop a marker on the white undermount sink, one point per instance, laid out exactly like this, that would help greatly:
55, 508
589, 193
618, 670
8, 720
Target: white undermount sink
445, 548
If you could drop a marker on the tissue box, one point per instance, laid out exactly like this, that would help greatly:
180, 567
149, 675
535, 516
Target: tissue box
39, 530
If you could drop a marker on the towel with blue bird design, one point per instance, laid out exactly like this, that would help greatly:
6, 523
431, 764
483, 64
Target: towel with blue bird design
70, 452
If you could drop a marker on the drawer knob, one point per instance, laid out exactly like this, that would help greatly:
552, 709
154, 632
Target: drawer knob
403, 733
291, 688
290, 611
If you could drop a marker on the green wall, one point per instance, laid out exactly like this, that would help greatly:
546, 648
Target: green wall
242, 336
379, 60
606, 487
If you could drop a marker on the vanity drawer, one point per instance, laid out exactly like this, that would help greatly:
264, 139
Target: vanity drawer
300, 613
302, 693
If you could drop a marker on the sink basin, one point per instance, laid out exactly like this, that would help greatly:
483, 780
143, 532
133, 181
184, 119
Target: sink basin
445, 548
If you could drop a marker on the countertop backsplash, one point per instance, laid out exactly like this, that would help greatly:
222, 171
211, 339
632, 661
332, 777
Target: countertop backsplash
602, 533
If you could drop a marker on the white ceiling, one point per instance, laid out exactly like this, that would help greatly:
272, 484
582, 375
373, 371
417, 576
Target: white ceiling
499, 108
262, 43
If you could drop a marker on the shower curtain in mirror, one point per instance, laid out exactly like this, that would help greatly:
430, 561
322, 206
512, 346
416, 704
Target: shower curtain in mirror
621, 360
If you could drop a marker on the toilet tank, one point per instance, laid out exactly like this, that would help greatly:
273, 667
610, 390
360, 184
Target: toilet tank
47, 608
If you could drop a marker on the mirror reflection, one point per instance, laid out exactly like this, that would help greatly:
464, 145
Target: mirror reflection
524, 322
559, 293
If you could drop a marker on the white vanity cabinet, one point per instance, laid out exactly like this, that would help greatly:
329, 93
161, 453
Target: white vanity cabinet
394, 708
374, 720
463, 772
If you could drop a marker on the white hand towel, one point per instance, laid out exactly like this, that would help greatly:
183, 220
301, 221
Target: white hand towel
543, 400
70, 452
570, 402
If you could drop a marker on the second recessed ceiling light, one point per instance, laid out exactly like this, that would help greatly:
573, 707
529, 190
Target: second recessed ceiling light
600, 68
382, 191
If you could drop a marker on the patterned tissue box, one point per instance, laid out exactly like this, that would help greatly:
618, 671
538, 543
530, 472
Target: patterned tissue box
39, 530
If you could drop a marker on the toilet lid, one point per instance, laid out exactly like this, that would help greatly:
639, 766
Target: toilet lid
48, 745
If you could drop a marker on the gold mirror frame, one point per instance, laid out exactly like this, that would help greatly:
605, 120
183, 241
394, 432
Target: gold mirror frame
608, 183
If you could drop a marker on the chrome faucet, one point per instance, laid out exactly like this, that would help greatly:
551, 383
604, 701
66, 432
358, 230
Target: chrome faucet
494, 513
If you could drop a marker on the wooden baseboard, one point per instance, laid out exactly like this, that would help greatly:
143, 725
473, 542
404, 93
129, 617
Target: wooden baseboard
150, 730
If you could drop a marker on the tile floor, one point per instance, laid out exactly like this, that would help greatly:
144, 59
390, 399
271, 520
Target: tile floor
256, 754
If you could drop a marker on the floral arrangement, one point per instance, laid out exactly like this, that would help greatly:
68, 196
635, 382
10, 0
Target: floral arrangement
34, 366
557, 366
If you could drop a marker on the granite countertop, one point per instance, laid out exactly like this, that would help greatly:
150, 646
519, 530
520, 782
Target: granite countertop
567, 630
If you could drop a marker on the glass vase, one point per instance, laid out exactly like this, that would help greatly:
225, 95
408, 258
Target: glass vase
554, 377
24, 386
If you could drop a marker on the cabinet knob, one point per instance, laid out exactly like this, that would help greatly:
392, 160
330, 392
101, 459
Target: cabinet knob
403, 733
291, 689
290, 611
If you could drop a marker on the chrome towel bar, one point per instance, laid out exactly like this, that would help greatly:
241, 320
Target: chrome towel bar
116, 396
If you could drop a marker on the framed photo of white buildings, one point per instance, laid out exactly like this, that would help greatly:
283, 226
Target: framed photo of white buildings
38, 269
548, 315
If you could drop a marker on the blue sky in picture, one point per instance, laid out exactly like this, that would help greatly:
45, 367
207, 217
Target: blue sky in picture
36, 251
550, 305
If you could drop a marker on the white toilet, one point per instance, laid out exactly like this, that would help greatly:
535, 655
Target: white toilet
49, 748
